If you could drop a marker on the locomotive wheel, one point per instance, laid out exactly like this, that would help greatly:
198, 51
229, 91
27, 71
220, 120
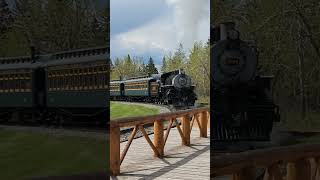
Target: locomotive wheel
41, 119
50, 119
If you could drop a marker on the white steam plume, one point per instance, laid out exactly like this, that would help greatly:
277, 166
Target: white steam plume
188, 15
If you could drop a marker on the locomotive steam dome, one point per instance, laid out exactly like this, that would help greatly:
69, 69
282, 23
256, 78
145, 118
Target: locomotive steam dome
233, 60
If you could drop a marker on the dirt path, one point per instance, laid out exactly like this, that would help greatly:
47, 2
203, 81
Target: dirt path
161, 108
94, 176
57, 131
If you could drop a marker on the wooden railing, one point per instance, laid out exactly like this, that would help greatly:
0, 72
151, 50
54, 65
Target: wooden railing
199, 115
296, 162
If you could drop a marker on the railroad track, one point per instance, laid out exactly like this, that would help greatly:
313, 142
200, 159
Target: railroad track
61, 132
86, 128
125, 132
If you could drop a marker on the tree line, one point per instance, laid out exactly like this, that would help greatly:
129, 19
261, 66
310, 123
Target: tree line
286, 33
52, 26
128, 67
195, 63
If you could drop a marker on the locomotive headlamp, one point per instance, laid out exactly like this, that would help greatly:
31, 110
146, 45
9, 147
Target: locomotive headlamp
182, 81
232, 61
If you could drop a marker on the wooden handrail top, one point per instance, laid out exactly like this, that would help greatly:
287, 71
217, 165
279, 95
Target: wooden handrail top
231, 163
133, 121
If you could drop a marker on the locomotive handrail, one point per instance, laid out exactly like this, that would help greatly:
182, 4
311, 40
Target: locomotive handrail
199, 115
299, 161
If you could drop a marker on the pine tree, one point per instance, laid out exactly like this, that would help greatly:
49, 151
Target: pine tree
111, 65
5, 16
179, 56
143, 68
177, 60
151, 68
164, 65
128, 60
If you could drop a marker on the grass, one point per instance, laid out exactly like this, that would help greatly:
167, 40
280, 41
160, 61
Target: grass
203, 99
312, 139
30, 154
121, 110
303, 140
293, 121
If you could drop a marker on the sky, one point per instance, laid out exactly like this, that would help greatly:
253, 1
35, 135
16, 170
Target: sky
145, 28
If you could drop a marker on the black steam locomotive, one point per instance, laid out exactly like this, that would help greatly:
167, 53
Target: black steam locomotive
61, 87
172, 88
243, 107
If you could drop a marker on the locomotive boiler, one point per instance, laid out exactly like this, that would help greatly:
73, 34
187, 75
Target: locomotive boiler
243, 108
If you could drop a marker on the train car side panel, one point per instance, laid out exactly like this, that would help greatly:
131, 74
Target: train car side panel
15, 88
77, 99
136, 88
16, 100
115, 89
77, 86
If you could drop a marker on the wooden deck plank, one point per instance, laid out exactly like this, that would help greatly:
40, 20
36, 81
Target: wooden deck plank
179, 162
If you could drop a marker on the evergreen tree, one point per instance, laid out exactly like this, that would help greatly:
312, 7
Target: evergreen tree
179, 56
177, 61
143, 68
111, 65
53, 26
128, 58
151, 68
106, 24
5, 16
164, 64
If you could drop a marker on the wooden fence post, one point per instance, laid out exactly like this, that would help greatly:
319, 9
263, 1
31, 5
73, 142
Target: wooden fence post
204, 124
158, 138
247, 173
273, 173
186, 130
298, 170
114, 148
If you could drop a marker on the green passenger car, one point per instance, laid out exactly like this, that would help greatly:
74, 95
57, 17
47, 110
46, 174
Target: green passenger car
73, 83
16, 85
116, 88
137, 87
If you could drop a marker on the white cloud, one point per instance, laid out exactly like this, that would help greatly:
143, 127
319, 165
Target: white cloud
188, 22
155, 36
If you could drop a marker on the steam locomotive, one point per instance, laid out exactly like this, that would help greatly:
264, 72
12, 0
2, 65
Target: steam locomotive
172, 88
70, 86
243, 109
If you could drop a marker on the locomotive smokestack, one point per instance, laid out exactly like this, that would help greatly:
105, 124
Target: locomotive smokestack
224, 28
181, 71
